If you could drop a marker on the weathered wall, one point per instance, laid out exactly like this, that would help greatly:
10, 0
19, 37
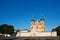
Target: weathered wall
36, 34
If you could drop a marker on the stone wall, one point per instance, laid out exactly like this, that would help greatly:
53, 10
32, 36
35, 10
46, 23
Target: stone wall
23, 34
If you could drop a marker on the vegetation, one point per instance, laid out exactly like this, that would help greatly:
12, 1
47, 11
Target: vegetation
57, 29
6, 29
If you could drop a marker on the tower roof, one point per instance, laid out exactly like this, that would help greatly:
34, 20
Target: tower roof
32, 19
42, 19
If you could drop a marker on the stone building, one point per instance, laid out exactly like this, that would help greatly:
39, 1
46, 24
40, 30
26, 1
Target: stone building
36, 29
37, 26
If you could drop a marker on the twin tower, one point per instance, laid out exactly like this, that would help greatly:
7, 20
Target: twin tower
37, 26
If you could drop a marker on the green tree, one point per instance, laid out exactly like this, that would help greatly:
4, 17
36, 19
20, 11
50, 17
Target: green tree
6, 29
57, 29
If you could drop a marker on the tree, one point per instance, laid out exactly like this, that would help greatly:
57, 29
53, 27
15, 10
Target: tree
58, 30
6, 29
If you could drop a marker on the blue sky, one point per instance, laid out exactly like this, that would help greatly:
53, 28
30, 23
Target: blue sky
19, 12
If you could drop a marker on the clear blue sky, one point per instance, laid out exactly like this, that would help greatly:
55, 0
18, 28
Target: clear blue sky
19, 12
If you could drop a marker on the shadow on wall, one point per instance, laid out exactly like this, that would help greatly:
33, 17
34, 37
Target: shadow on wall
14, 34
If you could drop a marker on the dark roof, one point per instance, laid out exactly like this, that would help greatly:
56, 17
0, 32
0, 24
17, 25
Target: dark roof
32, 19
41, 19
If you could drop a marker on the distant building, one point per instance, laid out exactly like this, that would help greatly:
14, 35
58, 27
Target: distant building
36, 29
37, 26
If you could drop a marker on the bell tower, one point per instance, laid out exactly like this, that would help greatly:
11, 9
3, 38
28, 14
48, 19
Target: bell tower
32, 21
42, 24
32, 24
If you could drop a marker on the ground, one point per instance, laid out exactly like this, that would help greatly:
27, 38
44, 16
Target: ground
31, 38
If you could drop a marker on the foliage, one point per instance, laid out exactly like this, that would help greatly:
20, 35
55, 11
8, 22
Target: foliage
6, 29
58, 30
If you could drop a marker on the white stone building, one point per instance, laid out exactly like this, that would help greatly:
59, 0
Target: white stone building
36, 29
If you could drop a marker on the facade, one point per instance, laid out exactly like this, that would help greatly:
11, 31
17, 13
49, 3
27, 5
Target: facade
37, 26
36, 29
